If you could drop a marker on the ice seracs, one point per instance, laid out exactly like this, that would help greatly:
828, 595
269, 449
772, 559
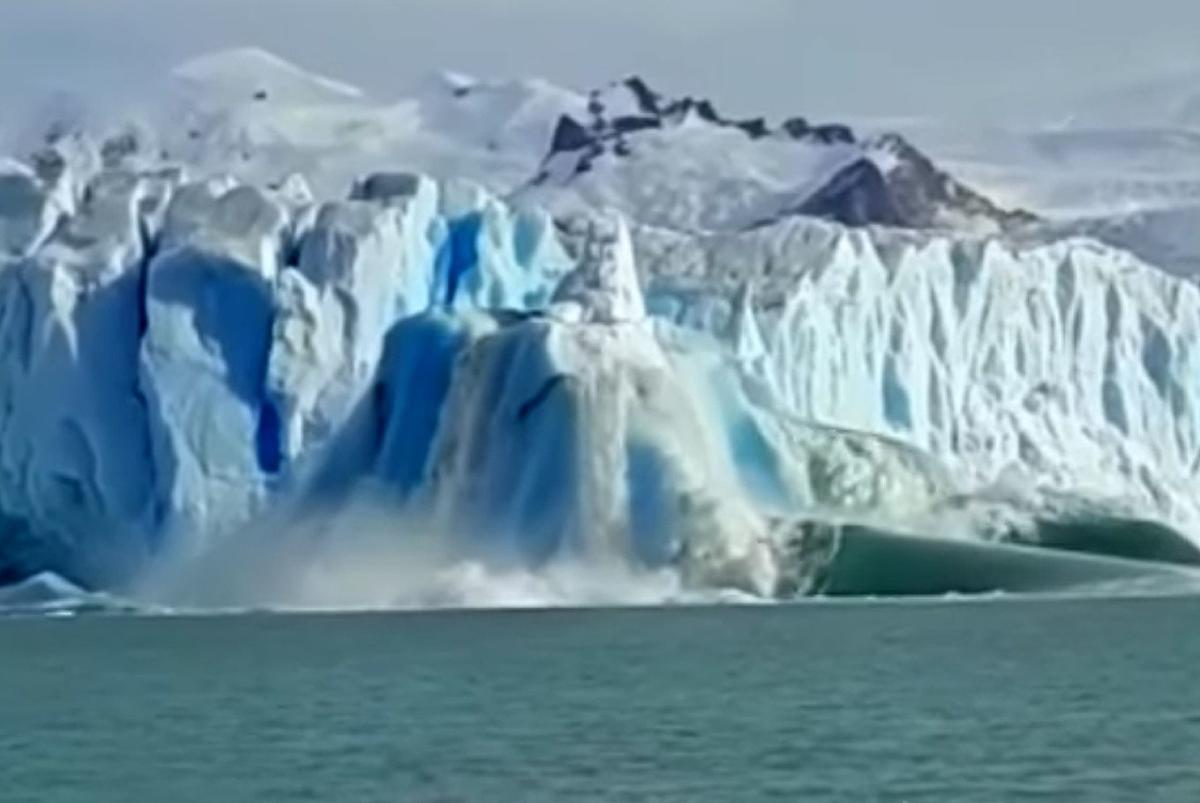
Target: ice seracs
361, 266
29, 209
743, 333
604, 287
499, 375
1060, 362
209, 307
76, 468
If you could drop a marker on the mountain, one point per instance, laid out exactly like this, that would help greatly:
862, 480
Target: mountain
649, 156
1064, 172
248, 75
1136, 188
222, 384
660, 161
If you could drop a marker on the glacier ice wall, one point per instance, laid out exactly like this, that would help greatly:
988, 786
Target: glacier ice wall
76, 469
582, 434
1057, 368
181, 357
173, 351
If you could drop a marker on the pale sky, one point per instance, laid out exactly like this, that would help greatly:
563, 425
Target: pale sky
822, 58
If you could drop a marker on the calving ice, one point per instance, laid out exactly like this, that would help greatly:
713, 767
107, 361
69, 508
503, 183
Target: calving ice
811, 363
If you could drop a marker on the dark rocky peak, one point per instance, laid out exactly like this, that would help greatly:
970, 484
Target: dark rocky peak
832, 134
796, 127
857, 195
569, 135
886, 181
647, 99
617, 113
644, 108
707, 111
905, 189
679, 109
629, 124
928, 195
892, 142
755, 128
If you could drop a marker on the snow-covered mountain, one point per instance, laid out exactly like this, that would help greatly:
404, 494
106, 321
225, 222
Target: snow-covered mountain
285, 344
623, 146
651, 156
1135, 187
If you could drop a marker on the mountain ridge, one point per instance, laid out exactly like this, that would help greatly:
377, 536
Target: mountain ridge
260, 117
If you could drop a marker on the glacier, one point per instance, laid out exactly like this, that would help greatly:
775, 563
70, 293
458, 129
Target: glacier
225, 391
1068, 364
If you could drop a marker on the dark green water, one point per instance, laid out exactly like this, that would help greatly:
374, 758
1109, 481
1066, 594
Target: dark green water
998, 701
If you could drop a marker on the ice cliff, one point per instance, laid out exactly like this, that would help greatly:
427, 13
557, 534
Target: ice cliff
1047, 369
182, 358
190, 361
174, 350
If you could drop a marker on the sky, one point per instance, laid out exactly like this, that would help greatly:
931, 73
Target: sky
953, 59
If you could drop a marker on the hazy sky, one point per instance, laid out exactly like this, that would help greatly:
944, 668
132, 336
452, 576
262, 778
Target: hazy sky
954, 58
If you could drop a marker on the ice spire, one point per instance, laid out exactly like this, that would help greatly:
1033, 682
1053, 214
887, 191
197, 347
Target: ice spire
605, 284
743, 334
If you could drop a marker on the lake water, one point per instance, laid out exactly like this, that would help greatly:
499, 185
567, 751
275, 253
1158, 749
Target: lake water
1094, 700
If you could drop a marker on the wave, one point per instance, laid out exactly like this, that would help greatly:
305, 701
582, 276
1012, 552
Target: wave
857, 560
367, 557
49, 594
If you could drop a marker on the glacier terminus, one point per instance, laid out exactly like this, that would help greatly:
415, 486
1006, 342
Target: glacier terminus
276, 343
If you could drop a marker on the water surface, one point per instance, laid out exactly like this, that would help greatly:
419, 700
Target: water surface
1088, 700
